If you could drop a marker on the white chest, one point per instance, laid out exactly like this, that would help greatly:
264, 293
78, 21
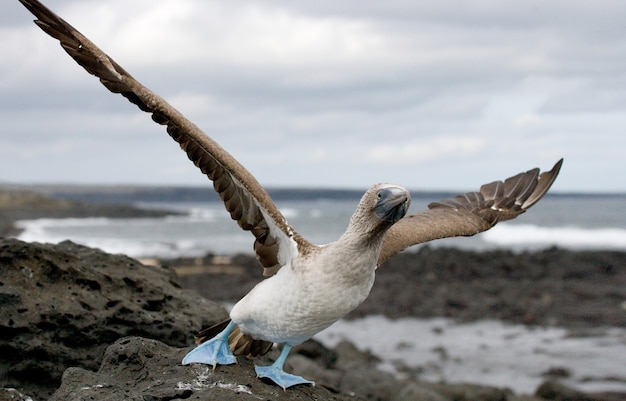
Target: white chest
298, 302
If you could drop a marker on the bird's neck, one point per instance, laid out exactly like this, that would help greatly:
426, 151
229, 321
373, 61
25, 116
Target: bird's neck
362, 232
361, 242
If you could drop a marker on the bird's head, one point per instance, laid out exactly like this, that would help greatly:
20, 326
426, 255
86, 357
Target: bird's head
380, 207
392, 202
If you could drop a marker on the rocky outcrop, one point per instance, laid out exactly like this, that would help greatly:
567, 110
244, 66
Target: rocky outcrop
79, 324
62, 305
23, 205
135, 368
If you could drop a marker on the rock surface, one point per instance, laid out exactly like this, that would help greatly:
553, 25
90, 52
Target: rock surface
119, 329
135, 368
62, 305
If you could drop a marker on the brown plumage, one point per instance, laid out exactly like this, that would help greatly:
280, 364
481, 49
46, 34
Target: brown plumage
471, 213
250, 205
240, 191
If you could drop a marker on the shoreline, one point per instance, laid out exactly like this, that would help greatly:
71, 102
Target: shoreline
26, 205
576, 290
502, 302
104, 317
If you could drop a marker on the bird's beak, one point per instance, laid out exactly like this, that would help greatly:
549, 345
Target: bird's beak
392, 204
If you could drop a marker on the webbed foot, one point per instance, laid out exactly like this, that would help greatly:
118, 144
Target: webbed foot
213, 352
280, 377
275, 372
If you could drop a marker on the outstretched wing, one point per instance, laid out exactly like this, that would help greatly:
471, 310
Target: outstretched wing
245, 199
471, 213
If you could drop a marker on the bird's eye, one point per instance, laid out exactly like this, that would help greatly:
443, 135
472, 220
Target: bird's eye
379, 195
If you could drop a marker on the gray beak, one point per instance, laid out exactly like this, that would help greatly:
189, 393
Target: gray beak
392, 204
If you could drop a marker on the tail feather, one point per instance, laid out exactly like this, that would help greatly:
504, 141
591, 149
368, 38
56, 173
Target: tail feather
208, 333
239, 343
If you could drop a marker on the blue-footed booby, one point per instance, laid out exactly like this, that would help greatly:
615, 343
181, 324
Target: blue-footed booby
310, 286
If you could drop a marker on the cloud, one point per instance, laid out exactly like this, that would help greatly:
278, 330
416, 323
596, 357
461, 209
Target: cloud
226, 35
417, 152
344, 93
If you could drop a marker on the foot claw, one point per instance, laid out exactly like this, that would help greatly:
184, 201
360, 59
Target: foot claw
280, 377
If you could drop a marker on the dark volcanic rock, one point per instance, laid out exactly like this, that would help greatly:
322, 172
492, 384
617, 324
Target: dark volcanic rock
555, 391
135, 368
549, 287
120, 329
62, 305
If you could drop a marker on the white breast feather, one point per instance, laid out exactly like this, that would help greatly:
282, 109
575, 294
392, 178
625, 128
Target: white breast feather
299, 301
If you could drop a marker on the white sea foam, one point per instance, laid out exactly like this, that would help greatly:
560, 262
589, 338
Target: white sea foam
206, 227
488, 352
567, 237
202, 232
196, 214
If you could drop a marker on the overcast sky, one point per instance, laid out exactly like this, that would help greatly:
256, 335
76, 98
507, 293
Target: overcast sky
429, 95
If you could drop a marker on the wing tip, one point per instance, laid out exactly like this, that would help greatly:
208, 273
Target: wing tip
544, 183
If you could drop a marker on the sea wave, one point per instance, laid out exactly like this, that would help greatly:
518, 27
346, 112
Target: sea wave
570, 237
68, 222
204, 231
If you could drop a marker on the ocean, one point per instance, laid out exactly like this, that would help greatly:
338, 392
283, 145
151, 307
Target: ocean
590, 222
485, 352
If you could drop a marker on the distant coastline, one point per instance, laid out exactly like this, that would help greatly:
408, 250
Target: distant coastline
21, 204
129, 194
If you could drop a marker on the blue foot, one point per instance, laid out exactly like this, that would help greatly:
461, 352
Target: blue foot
213, 352
275, 372
280, 377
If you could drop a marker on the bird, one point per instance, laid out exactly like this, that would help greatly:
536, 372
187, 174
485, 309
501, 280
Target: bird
308, 286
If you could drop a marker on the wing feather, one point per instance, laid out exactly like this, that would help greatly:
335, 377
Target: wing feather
470, 213
244, 198
250, 205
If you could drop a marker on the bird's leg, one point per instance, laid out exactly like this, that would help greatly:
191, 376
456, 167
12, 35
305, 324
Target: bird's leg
213, 352
275, 372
